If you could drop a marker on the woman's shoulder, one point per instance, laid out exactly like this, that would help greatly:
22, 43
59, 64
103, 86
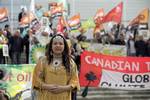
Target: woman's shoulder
43, 59
72, 62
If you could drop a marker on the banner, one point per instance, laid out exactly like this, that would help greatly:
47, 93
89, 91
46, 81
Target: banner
127, 73
3, 14
115, 14
36, 52
5, 50
114, 50
16, 81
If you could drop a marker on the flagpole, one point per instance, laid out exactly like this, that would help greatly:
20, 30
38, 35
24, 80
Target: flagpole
11, 19
73, 7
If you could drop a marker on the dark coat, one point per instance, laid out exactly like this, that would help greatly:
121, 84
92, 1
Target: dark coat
16, 44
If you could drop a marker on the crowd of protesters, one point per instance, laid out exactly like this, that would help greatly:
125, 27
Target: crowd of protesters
19, 43
118, 35
129, 36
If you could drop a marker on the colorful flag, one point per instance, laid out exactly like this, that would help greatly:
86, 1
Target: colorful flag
3, 14
74, 22
115, 14
98, 18
30, 20
56, 11
142, 18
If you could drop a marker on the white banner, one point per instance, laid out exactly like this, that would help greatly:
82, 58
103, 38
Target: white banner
5, 50
125, 81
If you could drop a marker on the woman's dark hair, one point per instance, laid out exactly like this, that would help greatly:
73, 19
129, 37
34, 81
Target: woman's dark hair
1, 74
65, 53
6, 97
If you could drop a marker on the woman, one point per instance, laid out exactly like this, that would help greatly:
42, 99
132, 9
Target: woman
55, 76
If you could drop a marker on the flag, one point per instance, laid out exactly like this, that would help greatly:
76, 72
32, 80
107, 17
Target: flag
27, 19
74, 22
98, 29
142, 18
32, 6
3, 14
31, 20
98, 18
115, 14
57, 11
52, 4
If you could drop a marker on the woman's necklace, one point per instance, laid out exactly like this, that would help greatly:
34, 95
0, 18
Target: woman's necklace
57, 62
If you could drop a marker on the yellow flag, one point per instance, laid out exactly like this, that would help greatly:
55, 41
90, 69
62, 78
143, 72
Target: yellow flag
142, 18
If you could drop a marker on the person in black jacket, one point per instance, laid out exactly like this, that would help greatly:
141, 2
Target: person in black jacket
26, 42
148, 48
16, 46
140, 47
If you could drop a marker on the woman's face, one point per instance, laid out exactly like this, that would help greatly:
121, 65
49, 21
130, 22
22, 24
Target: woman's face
58, 45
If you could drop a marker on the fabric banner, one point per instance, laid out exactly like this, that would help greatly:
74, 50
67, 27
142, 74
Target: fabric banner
3, 14
5, 50
127, 73
36, 52
16, 81
115, 50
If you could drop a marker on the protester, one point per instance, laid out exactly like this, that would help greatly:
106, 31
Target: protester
26, 42
55, 76
140, 47
3, 40
16, 44
148, 48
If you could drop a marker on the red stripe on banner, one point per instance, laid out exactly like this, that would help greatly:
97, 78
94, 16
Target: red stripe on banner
116, 63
